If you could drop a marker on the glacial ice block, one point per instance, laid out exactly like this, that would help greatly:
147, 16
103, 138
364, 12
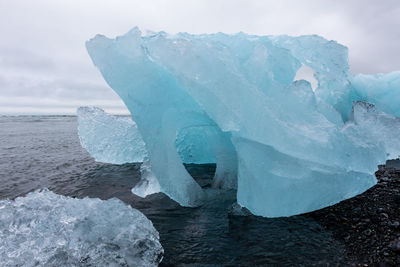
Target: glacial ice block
46, 229
110, 139
293, 149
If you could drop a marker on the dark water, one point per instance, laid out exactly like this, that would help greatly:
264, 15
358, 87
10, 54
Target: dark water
37, 152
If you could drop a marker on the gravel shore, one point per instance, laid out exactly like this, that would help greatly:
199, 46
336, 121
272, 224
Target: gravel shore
368, 224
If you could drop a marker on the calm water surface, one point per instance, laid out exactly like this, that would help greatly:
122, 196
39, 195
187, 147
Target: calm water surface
44, 151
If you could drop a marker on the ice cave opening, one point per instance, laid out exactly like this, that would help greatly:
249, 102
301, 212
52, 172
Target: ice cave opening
308, 74
195, 147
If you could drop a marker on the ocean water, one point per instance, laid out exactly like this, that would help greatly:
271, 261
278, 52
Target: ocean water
44, 151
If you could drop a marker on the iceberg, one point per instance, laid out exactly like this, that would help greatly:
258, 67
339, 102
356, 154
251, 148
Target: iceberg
288, 148
46, 229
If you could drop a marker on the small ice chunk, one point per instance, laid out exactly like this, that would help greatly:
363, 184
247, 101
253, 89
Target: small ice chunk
382, 90
108, 138
148, 183
46, 229
369, 125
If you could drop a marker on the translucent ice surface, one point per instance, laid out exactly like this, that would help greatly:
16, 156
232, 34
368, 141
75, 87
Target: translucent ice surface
46, 229
289, 148
382, 90
383, 129
148, 183
110, 139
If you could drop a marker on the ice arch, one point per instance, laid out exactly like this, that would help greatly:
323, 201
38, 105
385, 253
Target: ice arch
116, 139
293, 145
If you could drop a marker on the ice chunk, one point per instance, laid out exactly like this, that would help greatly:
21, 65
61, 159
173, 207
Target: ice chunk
382, 90
110, 139
46, 229
293, 149
148, 183
382, 129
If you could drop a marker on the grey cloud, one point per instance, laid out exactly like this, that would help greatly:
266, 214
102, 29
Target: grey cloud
21, 58
57, 88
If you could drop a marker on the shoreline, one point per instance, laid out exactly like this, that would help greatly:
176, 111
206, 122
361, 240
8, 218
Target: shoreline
368, 224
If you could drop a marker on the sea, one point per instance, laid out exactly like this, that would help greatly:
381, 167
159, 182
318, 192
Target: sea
44, 152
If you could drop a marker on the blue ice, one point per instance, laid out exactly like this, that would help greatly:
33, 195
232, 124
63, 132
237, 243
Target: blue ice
235, 100
46, 229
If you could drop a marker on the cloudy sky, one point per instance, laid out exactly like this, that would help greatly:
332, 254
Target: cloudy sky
44, 67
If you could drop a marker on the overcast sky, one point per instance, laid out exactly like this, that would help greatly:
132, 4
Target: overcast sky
44, 66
